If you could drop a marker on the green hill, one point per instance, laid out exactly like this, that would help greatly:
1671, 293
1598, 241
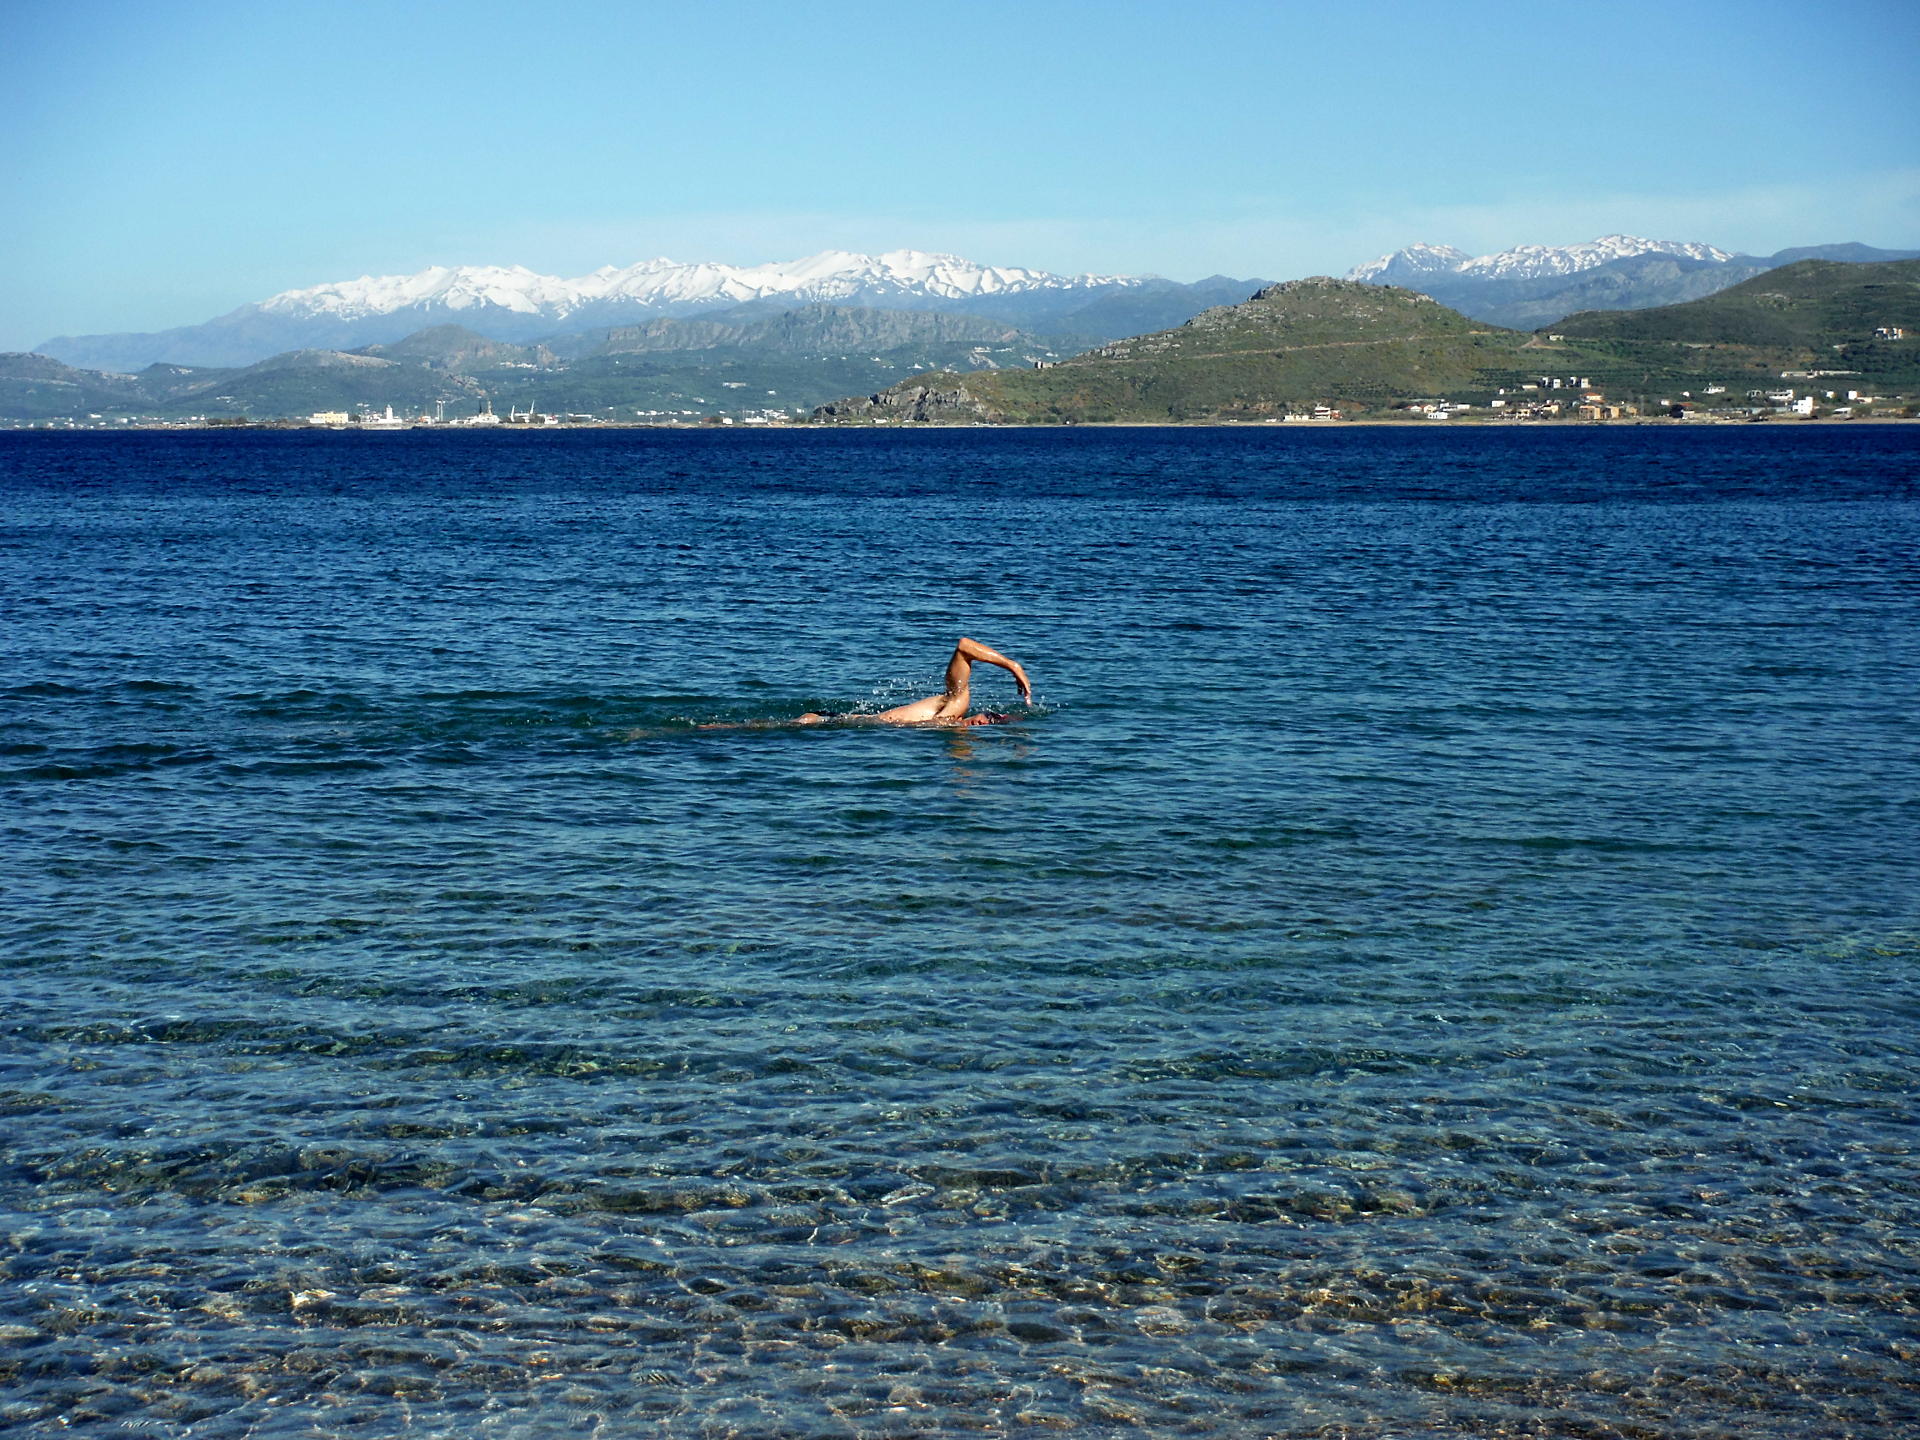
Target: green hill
1811, 304
1318, 341
32, 387
1367, 348
35, 387
1813, 316
303, 381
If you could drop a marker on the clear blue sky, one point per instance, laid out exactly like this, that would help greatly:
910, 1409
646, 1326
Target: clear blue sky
165, 162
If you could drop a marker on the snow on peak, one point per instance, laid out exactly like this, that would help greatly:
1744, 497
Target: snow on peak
460, 287
1418, 259
1528, 261
830, 275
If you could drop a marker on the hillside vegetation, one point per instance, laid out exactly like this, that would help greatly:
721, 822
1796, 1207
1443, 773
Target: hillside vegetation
1812, 303
1305, 342
1367, 348
1295, 343
740, 363
1815, 318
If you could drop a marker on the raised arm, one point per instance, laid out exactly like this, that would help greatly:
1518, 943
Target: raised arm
951, 705
968, 651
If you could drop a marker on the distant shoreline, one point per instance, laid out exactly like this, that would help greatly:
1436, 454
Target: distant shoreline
843, 427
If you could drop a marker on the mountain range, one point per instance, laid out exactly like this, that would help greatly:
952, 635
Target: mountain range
663, 340
517, 304
1358, 346
1523, 262
1525, 287
1534, 285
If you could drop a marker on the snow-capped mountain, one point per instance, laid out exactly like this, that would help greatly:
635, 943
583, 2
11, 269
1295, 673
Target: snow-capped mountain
1528, 262
834, 275
517, 304
1412, 261
1533, 285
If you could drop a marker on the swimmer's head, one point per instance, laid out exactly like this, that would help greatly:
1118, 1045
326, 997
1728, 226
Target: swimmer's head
989, 717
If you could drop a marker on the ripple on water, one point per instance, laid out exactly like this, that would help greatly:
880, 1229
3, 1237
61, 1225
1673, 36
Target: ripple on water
1441, 960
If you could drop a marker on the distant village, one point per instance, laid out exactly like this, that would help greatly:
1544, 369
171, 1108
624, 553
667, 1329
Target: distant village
368, 419
1534, 401
485, 417
1537, 400
1818, 395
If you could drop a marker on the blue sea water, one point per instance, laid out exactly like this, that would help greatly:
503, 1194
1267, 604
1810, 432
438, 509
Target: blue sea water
1441, 956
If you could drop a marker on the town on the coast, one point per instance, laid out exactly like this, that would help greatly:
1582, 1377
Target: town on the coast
1690, 335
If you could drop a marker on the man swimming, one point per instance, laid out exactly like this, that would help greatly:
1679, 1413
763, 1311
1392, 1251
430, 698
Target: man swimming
950, 706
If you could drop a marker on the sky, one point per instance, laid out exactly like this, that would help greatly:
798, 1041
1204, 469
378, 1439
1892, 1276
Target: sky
165, 161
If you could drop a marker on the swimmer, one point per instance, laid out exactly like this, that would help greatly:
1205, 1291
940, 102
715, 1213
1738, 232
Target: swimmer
949, 707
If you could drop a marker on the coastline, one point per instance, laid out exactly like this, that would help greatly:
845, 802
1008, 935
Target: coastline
812, 426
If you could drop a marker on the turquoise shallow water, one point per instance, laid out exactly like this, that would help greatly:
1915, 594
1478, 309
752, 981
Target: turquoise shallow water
1440, 957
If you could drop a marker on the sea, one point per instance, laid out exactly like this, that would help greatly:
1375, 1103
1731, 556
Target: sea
1438, 956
